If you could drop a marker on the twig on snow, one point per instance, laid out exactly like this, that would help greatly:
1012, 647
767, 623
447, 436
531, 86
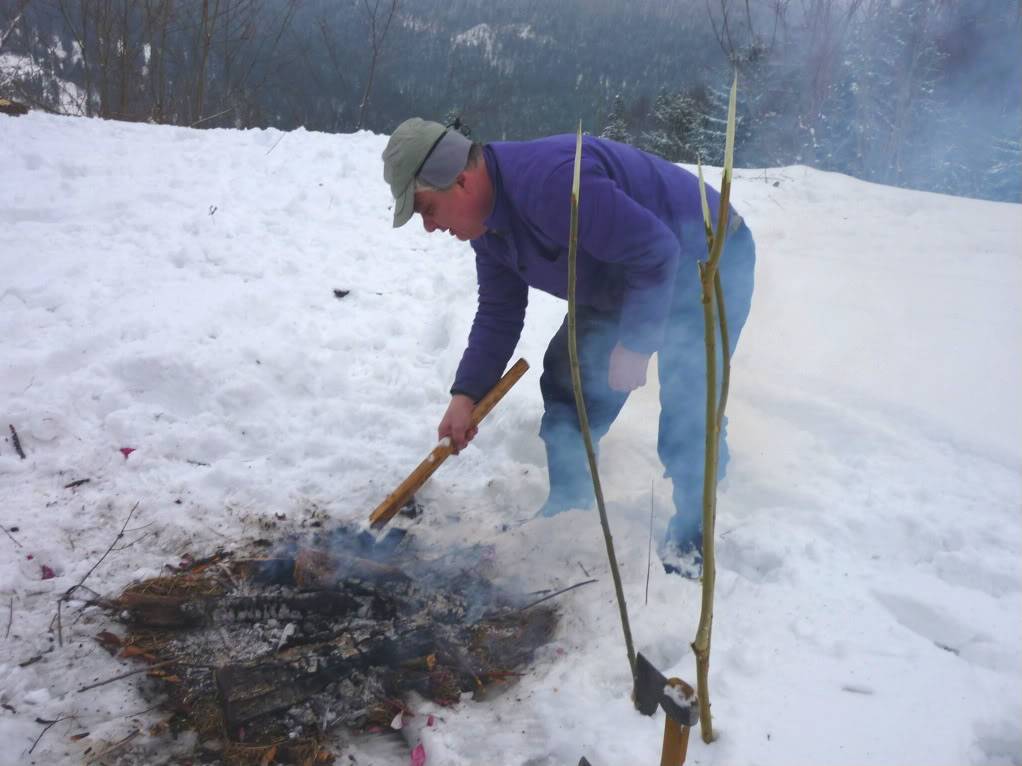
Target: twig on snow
129, 673
70, 591
277, 142
143, 712
73, 588
17, 442
8, 533
649, 551
212, 117
556, 593
139, 529
49, 725
138, 539
10, 618
115, 746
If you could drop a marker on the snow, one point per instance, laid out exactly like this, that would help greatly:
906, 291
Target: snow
488, 39
678, 696
481, 35
15, 67
171, 291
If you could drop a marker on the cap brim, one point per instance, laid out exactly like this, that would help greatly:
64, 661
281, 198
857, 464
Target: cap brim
404, 206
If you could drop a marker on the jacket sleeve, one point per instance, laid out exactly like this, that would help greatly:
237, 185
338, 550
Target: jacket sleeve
497, 326
616, 229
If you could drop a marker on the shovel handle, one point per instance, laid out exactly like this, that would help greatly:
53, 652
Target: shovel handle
396, 500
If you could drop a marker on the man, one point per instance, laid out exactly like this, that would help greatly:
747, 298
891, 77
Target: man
640, 234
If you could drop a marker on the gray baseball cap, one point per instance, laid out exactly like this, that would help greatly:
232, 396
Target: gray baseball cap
421, 149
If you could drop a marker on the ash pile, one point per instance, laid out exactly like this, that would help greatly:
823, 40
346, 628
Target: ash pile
262, 657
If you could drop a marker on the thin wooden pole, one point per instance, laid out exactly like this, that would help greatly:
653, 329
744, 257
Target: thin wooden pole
583, 417
396, 500
713, 307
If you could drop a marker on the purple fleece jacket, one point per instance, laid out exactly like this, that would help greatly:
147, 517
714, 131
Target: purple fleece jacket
639, 218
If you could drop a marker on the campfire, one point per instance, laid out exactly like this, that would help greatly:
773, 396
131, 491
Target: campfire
261, 657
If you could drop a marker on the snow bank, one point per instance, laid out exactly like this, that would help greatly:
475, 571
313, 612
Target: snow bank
171, 291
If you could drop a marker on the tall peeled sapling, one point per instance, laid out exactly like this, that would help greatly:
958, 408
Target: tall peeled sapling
583, 418
714, 319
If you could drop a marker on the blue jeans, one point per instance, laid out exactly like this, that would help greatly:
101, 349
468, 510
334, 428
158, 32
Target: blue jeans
682, 370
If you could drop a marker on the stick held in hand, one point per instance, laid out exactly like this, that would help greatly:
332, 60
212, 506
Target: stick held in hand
386, 510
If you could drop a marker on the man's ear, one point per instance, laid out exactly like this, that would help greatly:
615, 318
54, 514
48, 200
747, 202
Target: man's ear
461, 180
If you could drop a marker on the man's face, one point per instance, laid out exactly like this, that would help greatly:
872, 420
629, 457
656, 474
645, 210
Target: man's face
458, 210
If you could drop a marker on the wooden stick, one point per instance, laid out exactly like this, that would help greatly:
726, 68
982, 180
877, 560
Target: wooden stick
70, 591
80, 583
17, 443
7, 532
712, 311
580, 405
675, 747
556, 593
135, 672
649, 549
49, 725
396, 500
115, 746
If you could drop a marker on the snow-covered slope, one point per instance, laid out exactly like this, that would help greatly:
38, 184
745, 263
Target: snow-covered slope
171, 291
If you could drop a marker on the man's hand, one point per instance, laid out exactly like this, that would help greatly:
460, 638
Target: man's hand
627, 369
457, 423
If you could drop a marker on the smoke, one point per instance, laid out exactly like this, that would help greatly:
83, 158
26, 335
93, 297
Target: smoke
918, 93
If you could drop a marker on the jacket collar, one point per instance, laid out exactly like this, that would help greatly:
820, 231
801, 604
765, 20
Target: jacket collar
499, 220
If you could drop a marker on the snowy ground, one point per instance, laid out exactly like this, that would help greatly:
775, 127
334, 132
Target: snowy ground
171, 291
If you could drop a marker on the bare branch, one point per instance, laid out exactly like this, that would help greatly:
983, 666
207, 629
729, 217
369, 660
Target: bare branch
17, 443
128, 674
8, 533
211, 117
556, 593
68, 593
115, 746
49, 725
376, 44
19, 11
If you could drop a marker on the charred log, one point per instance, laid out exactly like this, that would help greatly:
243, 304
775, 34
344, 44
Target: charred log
256, 649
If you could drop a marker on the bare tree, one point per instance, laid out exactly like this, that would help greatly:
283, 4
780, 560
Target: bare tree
203, 43
79, 30
740, 40
379, 23
260, 50
341, 85
156, 16
15, 17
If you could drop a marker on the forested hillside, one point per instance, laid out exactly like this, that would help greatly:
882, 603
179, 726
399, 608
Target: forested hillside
917, 93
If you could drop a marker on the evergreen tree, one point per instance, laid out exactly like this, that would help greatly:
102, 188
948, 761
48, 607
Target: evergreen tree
675, 128
1003, 179
895, 61
616, 126
921, 93
709, 120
